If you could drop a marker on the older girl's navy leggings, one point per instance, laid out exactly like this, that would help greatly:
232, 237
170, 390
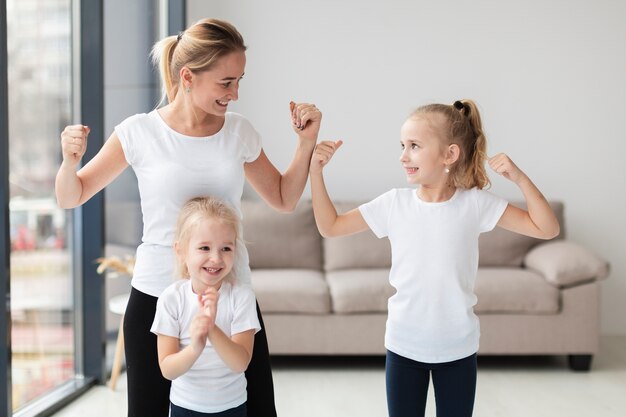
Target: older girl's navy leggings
407, 386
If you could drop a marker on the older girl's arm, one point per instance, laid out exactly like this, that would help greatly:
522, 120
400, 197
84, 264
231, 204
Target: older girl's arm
539, 220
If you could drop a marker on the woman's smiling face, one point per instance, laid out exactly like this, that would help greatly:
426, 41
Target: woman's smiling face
211, 91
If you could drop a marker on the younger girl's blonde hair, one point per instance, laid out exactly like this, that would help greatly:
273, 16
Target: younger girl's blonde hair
193, 212
198, 48
460, 124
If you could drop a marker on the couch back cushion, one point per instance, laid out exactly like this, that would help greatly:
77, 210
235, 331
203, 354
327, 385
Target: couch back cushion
281, 240
362, 250
500, 247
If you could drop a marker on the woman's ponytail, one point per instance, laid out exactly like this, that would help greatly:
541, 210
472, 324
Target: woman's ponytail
162, 58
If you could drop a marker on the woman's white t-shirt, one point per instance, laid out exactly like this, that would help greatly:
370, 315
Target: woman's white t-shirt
434, 264
209, 386
172, 168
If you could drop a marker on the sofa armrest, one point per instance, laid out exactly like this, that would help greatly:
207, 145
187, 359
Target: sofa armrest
564, 263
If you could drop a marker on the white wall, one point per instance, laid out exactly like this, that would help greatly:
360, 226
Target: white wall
549, 76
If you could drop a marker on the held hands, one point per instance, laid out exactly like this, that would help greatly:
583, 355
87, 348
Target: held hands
204, 321
503, 165
305, 120
322, 154
74, 143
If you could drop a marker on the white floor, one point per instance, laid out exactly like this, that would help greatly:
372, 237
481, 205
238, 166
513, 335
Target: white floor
507, 387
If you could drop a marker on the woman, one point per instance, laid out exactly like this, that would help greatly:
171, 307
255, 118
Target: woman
190, 147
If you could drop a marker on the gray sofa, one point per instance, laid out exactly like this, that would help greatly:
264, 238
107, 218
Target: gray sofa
329, 296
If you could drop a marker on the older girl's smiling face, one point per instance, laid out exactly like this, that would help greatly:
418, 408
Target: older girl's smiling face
422, 154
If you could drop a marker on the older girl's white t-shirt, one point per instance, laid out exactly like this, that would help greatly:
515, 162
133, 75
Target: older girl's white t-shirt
209, 386
434, 249
172, 168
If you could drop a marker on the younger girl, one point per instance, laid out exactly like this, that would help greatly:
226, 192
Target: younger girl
434, 230
205, 324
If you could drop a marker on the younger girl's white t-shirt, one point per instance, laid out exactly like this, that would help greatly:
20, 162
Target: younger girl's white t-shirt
434, 264
172, 168
209, 386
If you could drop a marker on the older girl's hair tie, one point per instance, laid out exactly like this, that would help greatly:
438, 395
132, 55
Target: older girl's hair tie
462, 107
179, 37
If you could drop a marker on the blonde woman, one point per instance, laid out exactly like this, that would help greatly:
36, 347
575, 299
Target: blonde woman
190, 147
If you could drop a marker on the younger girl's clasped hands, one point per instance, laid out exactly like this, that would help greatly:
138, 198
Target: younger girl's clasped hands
432, 331
204, 321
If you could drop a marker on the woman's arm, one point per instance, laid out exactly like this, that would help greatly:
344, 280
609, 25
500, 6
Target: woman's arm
539, 220
329, 223
74, 188
283, 191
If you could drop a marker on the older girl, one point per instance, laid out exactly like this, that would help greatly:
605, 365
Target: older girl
434, 230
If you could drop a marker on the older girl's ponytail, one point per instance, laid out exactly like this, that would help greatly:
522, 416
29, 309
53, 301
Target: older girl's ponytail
462, 126
475, 174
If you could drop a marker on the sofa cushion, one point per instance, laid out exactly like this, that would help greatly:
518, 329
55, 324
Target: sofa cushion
513, 290
500, 247
362, 250
291, 291
281, 240
566, 263
360, 290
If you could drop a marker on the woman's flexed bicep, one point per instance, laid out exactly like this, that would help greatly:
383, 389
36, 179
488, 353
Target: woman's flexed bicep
75, 188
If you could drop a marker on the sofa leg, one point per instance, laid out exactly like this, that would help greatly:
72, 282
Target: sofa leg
580, 362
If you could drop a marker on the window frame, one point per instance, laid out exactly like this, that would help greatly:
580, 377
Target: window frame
5, 247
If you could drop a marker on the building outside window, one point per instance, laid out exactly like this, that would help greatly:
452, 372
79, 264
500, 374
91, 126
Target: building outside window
39, 34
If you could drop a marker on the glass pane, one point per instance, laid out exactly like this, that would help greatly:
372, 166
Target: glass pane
39, 73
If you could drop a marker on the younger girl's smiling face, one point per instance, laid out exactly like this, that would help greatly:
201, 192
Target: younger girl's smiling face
422, 154
210, 254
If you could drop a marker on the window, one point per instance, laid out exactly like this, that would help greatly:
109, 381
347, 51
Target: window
42, 296
52, 339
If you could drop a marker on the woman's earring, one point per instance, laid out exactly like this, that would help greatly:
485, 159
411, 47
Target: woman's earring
188, 90
446, 170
